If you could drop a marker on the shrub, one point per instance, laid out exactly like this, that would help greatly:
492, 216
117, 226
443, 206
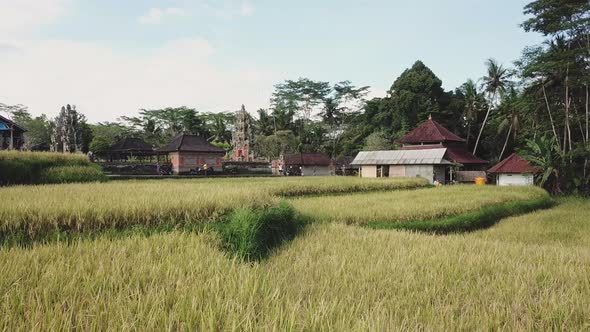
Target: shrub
252, 234
68, 174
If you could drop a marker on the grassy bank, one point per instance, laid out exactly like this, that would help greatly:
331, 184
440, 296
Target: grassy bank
526, 273
469, 221
409, 206
18, 167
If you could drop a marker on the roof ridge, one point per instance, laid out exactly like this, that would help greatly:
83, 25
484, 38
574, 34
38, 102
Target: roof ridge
181, 141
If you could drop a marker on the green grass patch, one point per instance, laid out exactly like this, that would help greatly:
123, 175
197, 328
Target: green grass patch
470, 221
18, 167
71, 174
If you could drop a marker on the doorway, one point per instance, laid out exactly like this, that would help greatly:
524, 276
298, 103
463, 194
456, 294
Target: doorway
383, 171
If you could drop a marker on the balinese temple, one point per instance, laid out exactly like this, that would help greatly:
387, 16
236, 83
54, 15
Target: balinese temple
430, 151
11, 135
190, 152
242, 137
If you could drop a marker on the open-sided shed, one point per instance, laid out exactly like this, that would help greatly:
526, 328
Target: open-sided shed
11, 134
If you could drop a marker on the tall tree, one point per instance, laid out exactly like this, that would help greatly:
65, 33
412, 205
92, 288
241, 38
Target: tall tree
472, 105
68, 130
495, 84
415, 95
510, 117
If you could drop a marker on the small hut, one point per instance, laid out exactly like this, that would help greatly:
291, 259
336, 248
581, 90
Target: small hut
514, 171
190, 152
11, 135
306, 164
130, 148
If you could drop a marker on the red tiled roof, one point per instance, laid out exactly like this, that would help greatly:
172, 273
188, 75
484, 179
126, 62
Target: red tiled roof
190, 143
429, 132
307, 159
455, 154
513, 164
463, 156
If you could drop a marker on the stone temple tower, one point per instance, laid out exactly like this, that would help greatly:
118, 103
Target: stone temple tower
242, 138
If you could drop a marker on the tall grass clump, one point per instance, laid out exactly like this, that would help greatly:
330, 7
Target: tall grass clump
17, 167
252, 234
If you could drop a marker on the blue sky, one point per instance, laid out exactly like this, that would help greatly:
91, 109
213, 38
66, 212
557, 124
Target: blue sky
111, 58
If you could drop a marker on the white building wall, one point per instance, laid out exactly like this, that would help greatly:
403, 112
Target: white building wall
515, 180
369, 171
397, 171
424, 171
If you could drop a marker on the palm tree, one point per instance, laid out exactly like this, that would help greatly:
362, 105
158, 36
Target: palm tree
494, 83
511, 118
469, 89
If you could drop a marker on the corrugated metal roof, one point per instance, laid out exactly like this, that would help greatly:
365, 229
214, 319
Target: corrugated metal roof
402, 157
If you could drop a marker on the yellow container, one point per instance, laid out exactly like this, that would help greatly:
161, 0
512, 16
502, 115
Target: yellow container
480, 181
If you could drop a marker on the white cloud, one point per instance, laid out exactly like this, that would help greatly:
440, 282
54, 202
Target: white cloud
26, 15
157, 15
247, 9
105, 83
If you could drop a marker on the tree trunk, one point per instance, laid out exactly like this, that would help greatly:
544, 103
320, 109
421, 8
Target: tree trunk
484, 122
468, 132
550, 116
587, 113
506, 142
587, 138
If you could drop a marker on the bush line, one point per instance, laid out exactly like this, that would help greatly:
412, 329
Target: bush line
470, 221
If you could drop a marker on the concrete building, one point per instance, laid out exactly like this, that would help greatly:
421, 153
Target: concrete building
432, 135
431, 164
430, 151
190, 152
514, 171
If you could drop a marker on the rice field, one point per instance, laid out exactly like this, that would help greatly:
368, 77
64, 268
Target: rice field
527, 273
410, 205
37, 210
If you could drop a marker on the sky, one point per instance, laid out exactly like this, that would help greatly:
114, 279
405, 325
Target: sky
113, 57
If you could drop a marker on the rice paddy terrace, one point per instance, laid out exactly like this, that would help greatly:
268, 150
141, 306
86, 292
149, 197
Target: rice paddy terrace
291, 254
